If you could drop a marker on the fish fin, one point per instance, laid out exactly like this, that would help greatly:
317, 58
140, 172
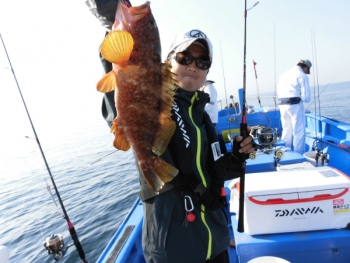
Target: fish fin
169, 83
117, 47
166, 129
108, 82
157, 172
166, 126
120, 142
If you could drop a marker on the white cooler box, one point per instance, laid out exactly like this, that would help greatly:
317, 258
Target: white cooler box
290, 201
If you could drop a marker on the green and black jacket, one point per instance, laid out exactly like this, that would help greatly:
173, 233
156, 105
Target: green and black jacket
167, 237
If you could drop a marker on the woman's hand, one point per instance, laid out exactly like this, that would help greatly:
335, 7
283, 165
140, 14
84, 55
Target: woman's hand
246, 145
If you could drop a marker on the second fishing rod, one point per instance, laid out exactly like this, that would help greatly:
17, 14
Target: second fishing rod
55, 245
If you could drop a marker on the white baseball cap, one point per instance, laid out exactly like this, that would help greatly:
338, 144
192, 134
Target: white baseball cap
195, 36
305, 62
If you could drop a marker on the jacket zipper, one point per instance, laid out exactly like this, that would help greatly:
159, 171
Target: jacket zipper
199, 167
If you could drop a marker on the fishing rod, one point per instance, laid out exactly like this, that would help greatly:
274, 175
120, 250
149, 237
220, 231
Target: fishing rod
243, 129
274, 69
54, 244
278, 153
319, 152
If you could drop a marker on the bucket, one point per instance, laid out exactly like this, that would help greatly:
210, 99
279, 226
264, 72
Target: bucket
268, 260
310, 157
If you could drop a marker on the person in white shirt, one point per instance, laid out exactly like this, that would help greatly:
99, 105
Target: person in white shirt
293, 90
212, 106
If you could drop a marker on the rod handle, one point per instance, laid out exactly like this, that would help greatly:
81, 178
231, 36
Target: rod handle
244, 134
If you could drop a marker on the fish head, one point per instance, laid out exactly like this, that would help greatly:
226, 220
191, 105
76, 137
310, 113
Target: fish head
140, 23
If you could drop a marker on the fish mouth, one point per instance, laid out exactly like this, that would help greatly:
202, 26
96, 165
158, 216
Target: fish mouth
140, 10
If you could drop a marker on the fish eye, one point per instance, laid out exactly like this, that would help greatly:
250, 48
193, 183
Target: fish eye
152, 24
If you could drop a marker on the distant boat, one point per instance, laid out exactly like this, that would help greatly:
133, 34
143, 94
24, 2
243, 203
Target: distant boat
324, 240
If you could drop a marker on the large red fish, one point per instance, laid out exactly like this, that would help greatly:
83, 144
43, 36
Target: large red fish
144, 89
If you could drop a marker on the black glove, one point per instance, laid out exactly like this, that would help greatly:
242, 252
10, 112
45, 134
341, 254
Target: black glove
225, 168
212, 200
235, 155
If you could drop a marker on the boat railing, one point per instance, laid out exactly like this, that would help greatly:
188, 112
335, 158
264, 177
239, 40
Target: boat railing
266, 101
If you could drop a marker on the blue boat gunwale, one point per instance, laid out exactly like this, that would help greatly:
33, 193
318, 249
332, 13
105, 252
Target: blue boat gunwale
119, 233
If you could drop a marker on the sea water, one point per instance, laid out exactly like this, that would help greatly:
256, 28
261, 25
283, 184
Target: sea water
97, 184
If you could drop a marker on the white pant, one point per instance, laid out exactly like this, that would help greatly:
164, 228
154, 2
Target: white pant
293, 124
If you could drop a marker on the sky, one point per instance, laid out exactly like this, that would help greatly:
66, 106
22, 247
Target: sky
53, 47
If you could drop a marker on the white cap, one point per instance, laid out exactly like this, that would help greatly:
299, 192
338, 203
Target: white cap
306, 62
195, 36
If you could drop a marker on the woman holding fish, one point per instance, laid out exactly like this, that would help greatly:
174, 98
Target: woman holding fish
186, 223
161, 116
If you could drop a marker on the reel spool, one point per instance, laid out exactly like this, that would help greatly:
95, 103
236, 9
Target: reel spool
54, 245
266, 138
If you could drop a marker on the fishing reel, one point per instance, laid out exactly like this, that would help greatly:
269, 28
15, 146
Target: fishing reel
320, 155
54, 245
266, 137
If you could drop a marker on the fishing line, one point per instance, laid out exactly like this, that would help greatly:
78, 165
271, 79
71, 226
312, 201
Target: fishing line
87, 166
69, 223
223, 73
48, 189
315, 97
316, 66
228, 108
256, 81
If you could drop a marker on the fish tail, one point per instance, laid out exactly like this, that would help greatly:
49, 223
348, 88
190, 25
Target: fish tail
117, 47
157, 172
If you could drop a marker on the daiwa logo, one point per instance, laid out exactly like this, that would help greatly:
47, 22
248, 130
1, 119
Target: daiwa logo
298, 211
181, 125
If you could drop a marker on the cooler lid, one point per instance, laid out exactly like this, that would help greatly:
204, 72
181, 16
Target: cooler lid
306, 183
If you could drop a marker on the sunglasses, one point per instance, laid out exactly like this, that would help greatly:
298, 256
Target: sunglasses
184, 58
